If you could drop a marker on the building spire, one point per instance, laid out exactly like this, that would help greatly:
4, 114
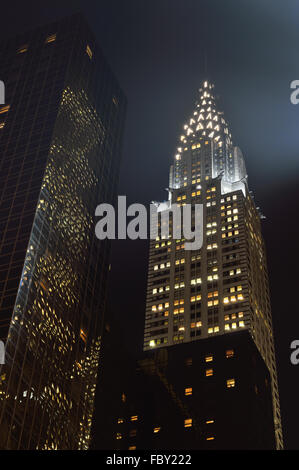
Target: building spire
207, 124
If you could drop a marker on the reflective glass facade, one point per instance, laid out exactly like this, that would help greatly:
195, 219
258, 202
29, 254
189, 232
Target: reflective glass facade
60, 143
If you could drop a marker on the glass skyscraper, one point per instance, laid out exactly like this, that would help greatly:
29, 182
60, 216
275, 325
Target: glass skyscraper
223, 287
60, 140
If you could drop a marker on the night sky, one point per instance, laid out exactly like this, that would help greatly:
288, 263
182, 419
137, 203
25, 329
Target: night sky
156, 49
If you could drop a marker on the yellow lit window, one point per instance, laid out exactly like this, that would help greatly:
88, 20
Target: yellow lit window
209, 372
134, 418
118, 436
83, 335
210, 421
230, 383
2, 124
209, 358
50, 38
22, 49
229, 353
120, 421
4, 109
89, 51
188, 423
188, 391
211, 438
132, 448
157, 429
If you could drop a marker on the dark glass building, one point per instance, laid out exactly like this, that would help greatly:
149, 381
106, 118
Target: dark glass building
60, 140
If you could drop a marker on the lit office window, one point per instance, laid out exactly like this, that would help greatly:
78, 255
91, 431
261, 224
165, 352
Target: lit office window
50, 38
230, 383
229, 353
188, 423
89, 51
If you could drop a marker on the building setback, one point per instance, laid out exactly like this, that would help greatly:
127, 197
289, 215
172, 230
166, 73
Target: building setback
209, 394
60, 139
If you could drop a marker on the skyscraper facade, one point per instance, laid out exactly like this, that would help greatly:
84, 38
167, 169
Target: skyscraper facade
60, 141
221, 288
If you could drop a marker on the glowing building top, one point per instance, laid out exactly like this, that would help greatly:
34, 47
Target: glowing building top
207, 126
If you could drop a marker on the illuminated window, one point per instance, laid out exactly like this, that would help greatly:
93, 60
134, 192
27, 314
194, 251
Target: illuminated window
22, 49
51, 38
229, 353
208, 358
188, 391
89, 51
4, 109
157, 429
83, 335
134, 418
210, 421
209, 372
132, 448
211, 438
230, 383
188, 423
2, 124
118, 436
120, 421
189, 361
